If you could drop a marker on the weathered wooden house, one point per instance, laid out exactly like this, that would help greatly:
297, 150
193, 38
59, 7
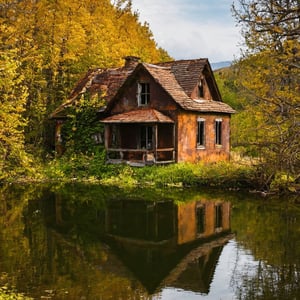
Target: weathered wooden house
158, 113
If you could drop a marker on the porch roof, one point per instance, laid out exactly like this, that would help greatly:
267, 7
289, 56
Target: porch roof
139, 116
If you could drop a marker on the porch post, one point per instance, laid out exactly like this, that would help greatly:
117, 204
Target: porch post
106, 136
106, 139
174, 142
155, 141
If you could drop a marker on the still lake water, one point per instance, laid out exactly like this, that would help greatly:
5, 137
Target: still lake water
89, 242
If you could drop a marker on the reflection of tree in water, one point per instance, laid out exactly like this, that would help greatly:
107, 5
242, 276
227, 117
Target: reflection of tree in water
270, 232
268, 282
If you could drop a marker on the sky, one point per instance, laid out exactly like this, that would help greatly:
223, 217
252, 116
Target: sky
189, 29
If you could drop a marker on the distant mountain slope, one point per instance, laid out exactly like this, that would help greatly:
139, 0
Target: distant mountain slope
220, 65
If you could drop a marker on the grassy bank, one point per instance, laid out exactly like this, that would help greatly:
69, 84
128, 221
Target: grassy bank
236, 174
93, 169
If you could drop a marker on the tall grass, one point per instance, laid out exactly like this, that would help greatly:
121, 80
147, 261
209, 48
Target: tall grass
94, 169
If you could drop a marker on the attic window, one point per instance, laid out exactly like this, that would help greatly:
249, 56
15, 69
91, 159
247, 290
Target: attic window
200, 89
143, 93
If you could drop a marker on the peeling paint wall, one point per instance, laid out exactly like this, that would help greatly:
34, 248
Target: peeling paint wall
187, 138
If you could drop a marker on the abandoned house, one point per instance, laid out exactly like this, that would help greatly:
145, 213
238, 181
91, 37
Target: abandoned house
157, 113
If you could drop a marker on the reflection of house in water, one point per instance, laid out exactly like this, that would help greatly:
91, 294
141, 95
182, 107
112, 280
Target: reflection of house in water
177, 245
160, 243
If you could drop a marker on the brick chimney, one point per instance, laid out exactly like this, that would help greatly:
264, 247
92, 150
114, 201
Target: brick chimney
131, 61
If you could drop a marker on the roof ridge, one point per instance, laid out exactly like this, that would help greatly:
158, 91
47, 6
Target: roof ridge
157, 66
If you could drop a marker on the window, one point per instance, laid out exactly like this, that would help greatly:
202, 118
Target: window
200, 89
218, 216
200, 217
143, 93
200, 133
146, 141
218, 131
97, 137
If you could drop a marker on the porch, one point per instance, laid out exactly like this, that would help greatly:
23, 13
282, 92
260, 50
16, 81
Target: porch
140, 138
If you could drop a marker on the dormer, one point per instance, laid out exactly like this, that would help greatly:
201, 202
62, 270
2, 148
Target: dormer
201, 91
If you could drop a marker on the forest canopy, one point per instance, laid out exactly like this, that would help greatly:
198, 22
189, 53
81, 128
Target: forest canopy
45, 47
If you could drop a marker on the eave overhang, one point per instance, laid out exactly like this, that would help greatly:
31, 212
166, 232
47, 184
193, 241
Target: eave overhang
138, 116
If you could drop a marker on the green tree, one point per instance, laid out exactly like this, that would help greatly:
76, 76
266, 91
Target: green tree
270, 74
13, 96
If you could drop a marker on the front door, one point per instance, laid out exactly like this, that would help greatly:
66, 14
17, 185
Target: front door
146, 137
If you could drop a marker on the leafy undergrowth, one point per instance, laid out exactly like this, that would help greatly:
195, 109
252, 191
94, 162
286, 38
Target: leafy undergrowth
7, 294
235, 174
94, 169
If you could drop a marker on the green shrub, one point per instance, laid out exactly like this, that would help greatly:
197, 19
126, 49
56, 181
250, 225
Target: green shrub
93, 168
7, 294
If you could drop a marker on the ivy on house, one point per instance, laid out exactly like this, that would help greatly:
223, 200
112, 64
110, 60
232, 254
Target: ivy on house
82, 132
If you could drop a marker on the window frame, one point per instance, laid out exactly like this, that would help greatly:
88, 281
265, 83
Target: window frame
200, 135
146, 137
143, 93
201, 88
218, 132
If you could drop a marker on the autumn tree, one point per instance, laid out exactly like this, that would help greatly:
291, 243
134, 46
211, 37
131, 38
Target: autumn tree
13, 95
270, 73
55, 42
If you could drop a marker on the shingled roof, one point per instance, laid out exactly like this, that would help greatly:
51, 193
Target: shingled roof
177, 78
186, 72
169, 78
104, 81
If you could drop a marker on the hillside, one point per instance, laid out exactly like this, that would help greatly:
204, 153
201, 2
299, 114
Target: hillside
220, 65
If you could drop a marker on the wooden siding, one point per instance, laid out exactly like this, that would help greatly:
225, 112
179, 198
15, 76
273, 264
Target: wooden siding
159, 98
206, 91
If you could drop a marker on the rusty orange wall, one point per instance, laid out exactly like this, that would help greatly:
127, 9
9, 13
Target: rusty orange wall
187, 222
187, 143
226, 216
209, 219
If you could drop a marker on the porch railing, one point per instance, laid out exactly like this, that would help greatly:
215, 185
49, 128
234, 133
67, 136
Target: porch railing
142, 156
